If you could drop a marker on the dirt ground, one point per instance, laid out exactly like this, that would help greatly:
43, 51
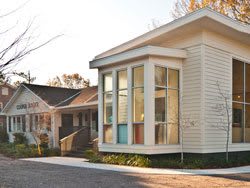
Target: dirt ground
16, 173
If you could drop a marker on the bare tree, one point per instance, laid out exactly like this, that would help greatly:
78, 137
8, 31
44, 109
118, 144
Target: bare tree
73, 81
186, 122
18, 47
39, 122
155, 23
223, 110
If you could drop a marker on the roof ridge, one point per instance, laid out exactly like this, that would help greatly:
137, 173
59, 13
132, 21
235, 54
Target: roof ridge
38, 85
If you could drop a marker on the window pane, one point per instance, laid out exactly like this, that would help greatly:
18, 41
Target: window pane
138, 105
238, 80
23, 124
122, 106
173, 133
107, 107
160, 133
247, 83
138, 76
160, 76
107, 82
10, 124
160, 105
107, 133
122, 134
138, 130
173, 78
238, 131
173, 106
122, 80
247, 125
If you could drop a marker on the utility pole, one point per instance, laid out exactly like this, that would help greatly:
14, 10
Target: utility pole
29, 78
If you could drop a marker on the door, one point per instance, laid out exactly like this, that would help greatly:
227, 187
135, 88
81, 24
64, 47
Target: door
67, 125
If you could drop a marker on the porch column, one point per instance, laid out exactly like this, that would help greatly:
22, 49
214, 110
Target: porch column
55, 123
100, 108
12, 125
7, 124
114, 104
149, 130
90, 123
129, 127
27, 122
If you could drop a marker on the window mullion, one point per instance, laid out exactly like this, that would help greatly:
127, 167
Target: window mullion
166, 105
244, 106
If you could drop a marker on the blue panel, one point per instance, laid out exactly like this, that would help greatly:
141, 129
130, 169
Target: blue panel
122, 134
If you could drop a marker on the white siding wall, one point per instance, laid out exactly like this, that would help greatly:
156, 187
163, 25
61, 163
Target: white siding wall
218, 54
191, 98
217, 68
25, 97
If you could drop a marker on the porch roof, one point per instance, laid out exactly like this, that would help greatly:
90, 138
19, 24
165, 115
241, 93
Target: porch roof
88, 97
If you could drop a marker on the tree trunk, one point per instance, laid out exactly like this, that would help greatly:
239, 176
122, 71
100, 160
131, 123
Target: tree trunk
182, 155
227, 145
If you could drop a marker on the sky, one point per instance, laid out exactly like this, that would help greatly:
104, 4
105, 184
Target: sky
89, 27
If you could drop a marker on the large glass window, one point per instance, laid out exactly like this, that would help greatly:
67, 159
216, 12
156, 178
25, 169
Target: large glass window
138, 105
166, 106
122, 106
107, 108
241, 102
19, 124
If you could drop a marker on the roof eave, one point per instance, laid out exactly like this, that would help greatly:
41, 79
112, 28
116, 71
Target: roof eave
139, 53
205, 12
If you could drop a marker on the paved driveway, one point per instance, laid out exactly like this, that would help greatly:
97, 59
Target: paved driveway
16, 173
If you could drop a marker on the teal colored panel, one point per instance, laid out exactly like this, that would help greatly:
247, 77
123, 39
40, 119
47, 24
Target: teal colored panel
122, 134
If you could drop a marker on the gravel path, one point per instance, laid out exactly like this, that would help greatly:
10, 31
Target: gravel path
16, 173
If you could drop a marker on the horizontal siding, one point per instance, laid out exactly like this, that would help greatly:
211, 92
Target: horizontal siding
217, 68
191, 99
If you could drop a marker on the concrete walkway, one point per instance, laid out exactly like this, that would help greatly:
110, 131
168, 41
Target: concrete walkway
83, 163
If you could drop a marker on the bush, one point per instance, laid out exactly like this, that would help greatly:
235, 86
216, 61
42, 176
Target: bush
49, 152
24, 151
4, 137
20, 138
130, 160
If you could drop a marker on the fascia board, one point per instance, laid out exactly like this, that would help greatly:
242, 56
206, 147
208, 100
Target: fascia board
137, 53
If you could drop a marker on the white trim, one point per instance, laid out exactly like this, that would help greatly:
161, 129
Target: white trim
46, 104
138, 53
11, 100
77, 105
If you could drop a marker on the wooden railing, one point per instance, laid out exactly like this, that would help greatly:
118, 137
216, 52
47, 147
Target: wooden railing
74, 141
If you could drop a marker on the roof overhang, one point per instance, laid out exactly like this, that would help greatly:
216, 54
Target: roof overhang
138, 53
78, 106
197, 21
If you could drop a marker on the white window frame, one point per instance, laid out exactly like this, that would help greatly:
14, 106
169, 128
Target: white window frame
117, 98
5, 91
244, 103
166, 105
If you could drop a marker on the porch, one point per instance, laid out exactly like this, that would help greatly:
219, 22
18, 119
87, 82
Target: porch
77, 128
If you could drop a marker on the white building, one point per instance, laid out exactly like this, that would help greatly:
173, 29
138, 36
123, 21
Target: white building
56, 112
145, 83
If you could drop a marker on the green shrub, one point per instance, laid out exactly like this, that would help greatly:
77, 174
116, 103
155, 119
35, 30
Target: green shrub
49, 152
20, 138
4, 137
25, 151
130, 160
89, 154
